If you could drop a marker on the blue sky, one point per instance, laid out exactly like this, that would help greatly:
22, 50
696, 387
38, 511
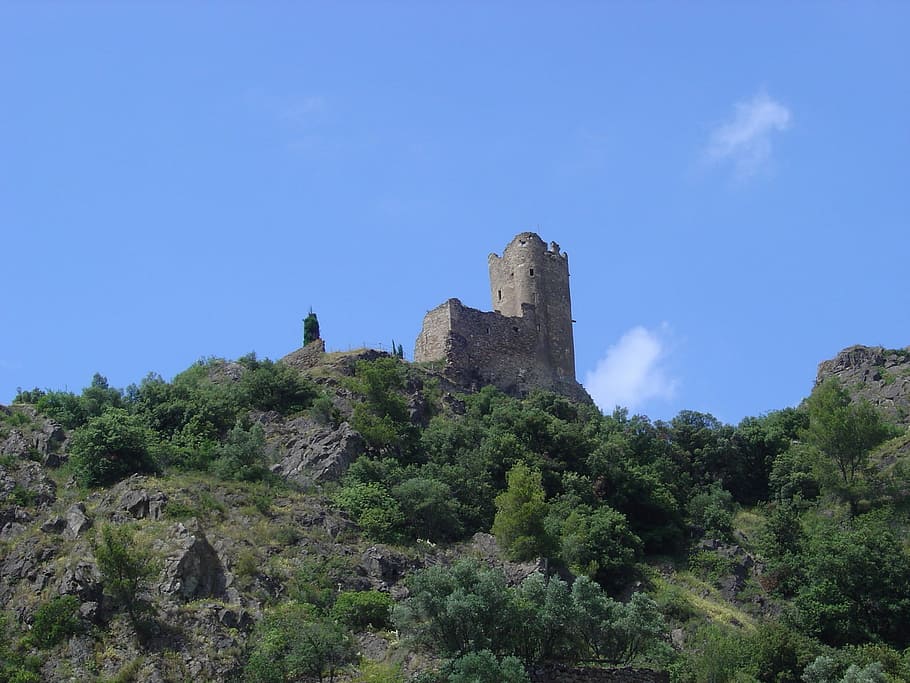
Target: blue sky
731, 182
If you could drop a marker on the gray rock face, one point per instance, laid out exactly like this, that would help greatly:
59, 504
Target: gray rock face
313, 452
24, 563
485, 546
15, 444
76, 521
192, 568
42, 438
879, 375
141, 504
385, 567
27, 476
82, 579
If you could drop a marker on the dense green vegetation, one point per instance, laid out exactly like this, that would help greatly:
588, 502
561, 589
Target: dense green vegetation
611, 499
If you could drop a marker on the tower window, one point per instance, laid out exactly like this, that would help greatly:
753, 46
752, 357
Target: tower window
532, 272
500, 294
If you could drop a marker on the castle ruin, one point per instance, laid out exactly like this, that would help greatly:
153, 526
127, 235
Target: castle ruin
526, 341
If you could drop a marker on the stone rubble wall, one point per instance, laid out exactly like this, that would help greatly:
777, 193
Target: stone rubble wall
559, 673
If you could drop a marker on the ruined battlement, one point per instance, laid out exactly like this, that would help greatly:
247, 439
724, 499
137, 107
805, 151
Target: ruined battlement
526, 341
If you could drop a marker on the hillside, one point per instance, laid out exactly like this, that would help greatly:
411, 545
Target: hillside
351, 516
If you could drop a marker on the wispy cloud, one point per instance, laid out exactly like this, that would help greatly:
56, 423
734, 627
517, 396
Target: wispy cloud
745, 142
291, 110
632, 371
300, 110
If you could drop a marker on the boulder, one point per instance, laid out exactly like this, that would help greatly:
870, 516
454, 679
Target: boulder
54, 525
76, 521
192, 568
141, 504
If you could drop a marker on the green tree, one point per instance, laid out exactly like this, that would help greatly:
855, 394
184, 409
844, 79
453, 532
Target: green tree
15, 666
843, 431
711, 509
521, 511
615, 632
111, 446
310, 328
599, 544
382, 417
126, 567
429, 509
857, 584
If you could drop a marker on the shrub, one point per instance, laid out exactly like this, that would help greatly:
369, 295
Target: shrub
242, 456
712, 510
373, 508
359, 610
126, 568
484, 667
56, 620
291, 644
112, 446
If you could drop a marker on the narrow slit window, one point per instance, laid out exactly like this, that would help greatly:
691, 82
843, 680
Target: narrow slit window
500, 295
532, 272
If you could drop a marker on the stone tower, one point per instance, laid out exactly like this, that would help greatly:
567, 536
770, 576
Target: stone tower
525, 343
530, 274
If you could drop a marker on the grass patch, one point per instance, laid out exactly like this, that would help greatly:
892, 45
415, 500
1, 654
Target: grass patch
749, 522
707, 600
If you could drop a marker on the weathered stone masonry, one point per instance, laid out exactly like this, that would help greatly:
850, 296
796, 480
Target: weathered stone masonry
526, 342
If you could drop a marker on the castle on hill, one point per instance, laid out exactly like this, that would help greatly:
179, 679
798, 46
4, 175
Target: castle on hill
526, 341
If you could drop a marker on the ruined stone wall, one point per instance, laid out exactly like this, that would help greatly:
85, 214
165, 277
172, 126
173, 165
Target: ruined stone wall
560, 673
481, 347
431, 342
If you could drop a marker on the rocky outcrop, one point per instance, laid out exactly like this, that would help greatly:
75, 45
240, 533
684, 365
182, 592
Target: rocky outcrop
192, 568
306, 357
878, 375
26, 483
41, 438
312, 452
134, 498
384, 567
141, 504
485, 547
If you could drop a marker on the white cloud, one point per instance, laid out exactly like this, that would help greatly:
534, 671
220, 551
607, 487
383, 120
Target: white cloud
632, 371
746, 140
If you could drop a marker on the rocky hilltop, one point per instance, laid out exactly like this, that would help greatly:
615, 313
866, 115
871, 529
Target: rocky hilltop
879, 375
